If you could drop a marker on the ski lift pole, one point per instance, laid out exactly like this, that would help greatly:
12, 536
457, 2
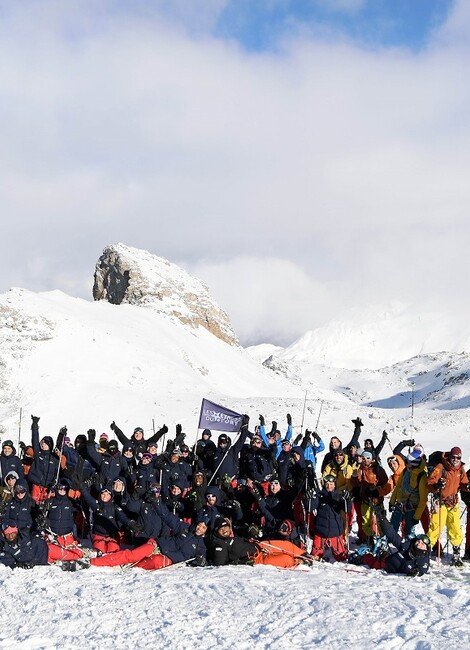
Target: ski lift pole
318, 418
19, 427
412, 402
303, 413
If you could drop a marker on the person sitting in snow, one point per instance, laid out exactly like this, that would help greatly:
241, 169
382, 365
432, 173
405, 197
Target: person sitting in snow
412, 556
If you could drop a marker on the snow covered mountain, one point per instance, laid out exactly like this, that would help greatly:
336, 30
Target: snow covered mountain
379, 336
136, 277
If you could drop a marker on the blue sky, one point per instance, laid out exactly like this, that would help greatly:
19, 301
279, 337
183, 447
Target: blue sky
261, 24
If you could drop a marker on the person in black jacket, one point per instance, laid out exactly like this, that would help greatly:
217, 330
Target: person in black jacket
9, 461
137, 438
45, 467
411, 557
330, 521
223, 547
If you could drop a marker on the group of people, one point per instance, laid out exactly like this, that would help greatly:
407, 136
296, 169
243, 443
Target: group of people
258, 499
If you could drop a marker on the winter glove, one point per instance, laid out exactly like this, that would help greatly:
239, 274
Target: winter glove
441, 484
289, 419
164, 429
347, 495
22, 446
245, 421
134, 527
380, 514
35, 420
310, 493
316, 436
414, 522
199, 560
179, 429
297, 439
22, 565
385, 436
179, 440
408, 443
112, 426
391, 507
357, 422
413, 572
91, 433
60, 438
273, 426
170, 445
261, 420
256, 493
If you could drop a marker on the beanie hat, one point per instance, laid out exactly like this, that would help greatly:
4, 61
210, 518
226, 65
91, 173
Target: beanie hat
112, 444
7, 443
48, 440
220, 522
146, 455
138, 430
367, 454
455, 451
414, 458
67, 439
104, 436
11, 474
9, 526
207, 432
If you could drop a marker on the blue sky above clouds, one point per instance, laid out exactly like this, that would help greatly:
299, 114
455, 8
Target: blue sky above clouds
261, 24
300, 157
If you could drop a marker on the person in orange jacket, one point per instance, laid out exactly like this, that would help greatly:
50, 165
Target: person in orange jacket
445, 481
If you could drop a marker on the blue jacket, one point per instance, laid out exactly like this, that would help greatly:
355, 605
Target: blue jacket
331, 508
45, 467
108, 518
10, 464
19, 510
183, 546
26, 550
60, 515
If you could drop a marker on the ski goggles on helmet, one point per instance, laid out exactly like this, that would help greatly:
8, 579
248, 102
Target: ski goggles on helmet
329, 478
424, 538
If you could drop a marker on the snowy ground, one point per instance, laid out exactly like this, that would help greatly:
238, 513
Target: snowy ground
247, 608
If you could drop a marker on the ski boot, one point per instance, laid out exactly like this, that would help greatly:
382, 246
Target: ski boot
68, 565
456, 559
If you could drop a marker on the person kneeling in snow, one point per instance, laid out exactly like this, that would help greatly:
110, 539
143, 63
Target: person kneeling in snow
411, 557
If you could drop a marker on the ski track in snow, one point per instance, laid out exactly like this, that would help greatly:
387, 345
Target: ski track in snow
260, 608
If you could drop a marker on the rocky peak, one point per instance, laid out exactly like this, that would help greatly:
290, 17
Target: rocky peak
130, 275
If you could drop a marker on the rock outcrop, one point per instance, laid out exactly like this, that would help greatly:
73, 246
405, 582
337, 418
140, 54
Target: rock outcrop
130, 275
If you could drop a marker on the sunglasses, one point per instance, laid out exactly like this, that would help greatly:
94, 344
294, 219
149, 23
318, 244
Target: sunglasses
210, 496
456, 457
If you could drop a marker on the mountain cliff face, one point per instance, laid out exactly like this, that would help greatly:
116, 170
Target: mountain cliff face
130, 275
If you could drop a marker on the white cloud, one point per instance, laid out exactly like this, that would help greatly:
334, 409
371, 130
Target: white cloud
348, 166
